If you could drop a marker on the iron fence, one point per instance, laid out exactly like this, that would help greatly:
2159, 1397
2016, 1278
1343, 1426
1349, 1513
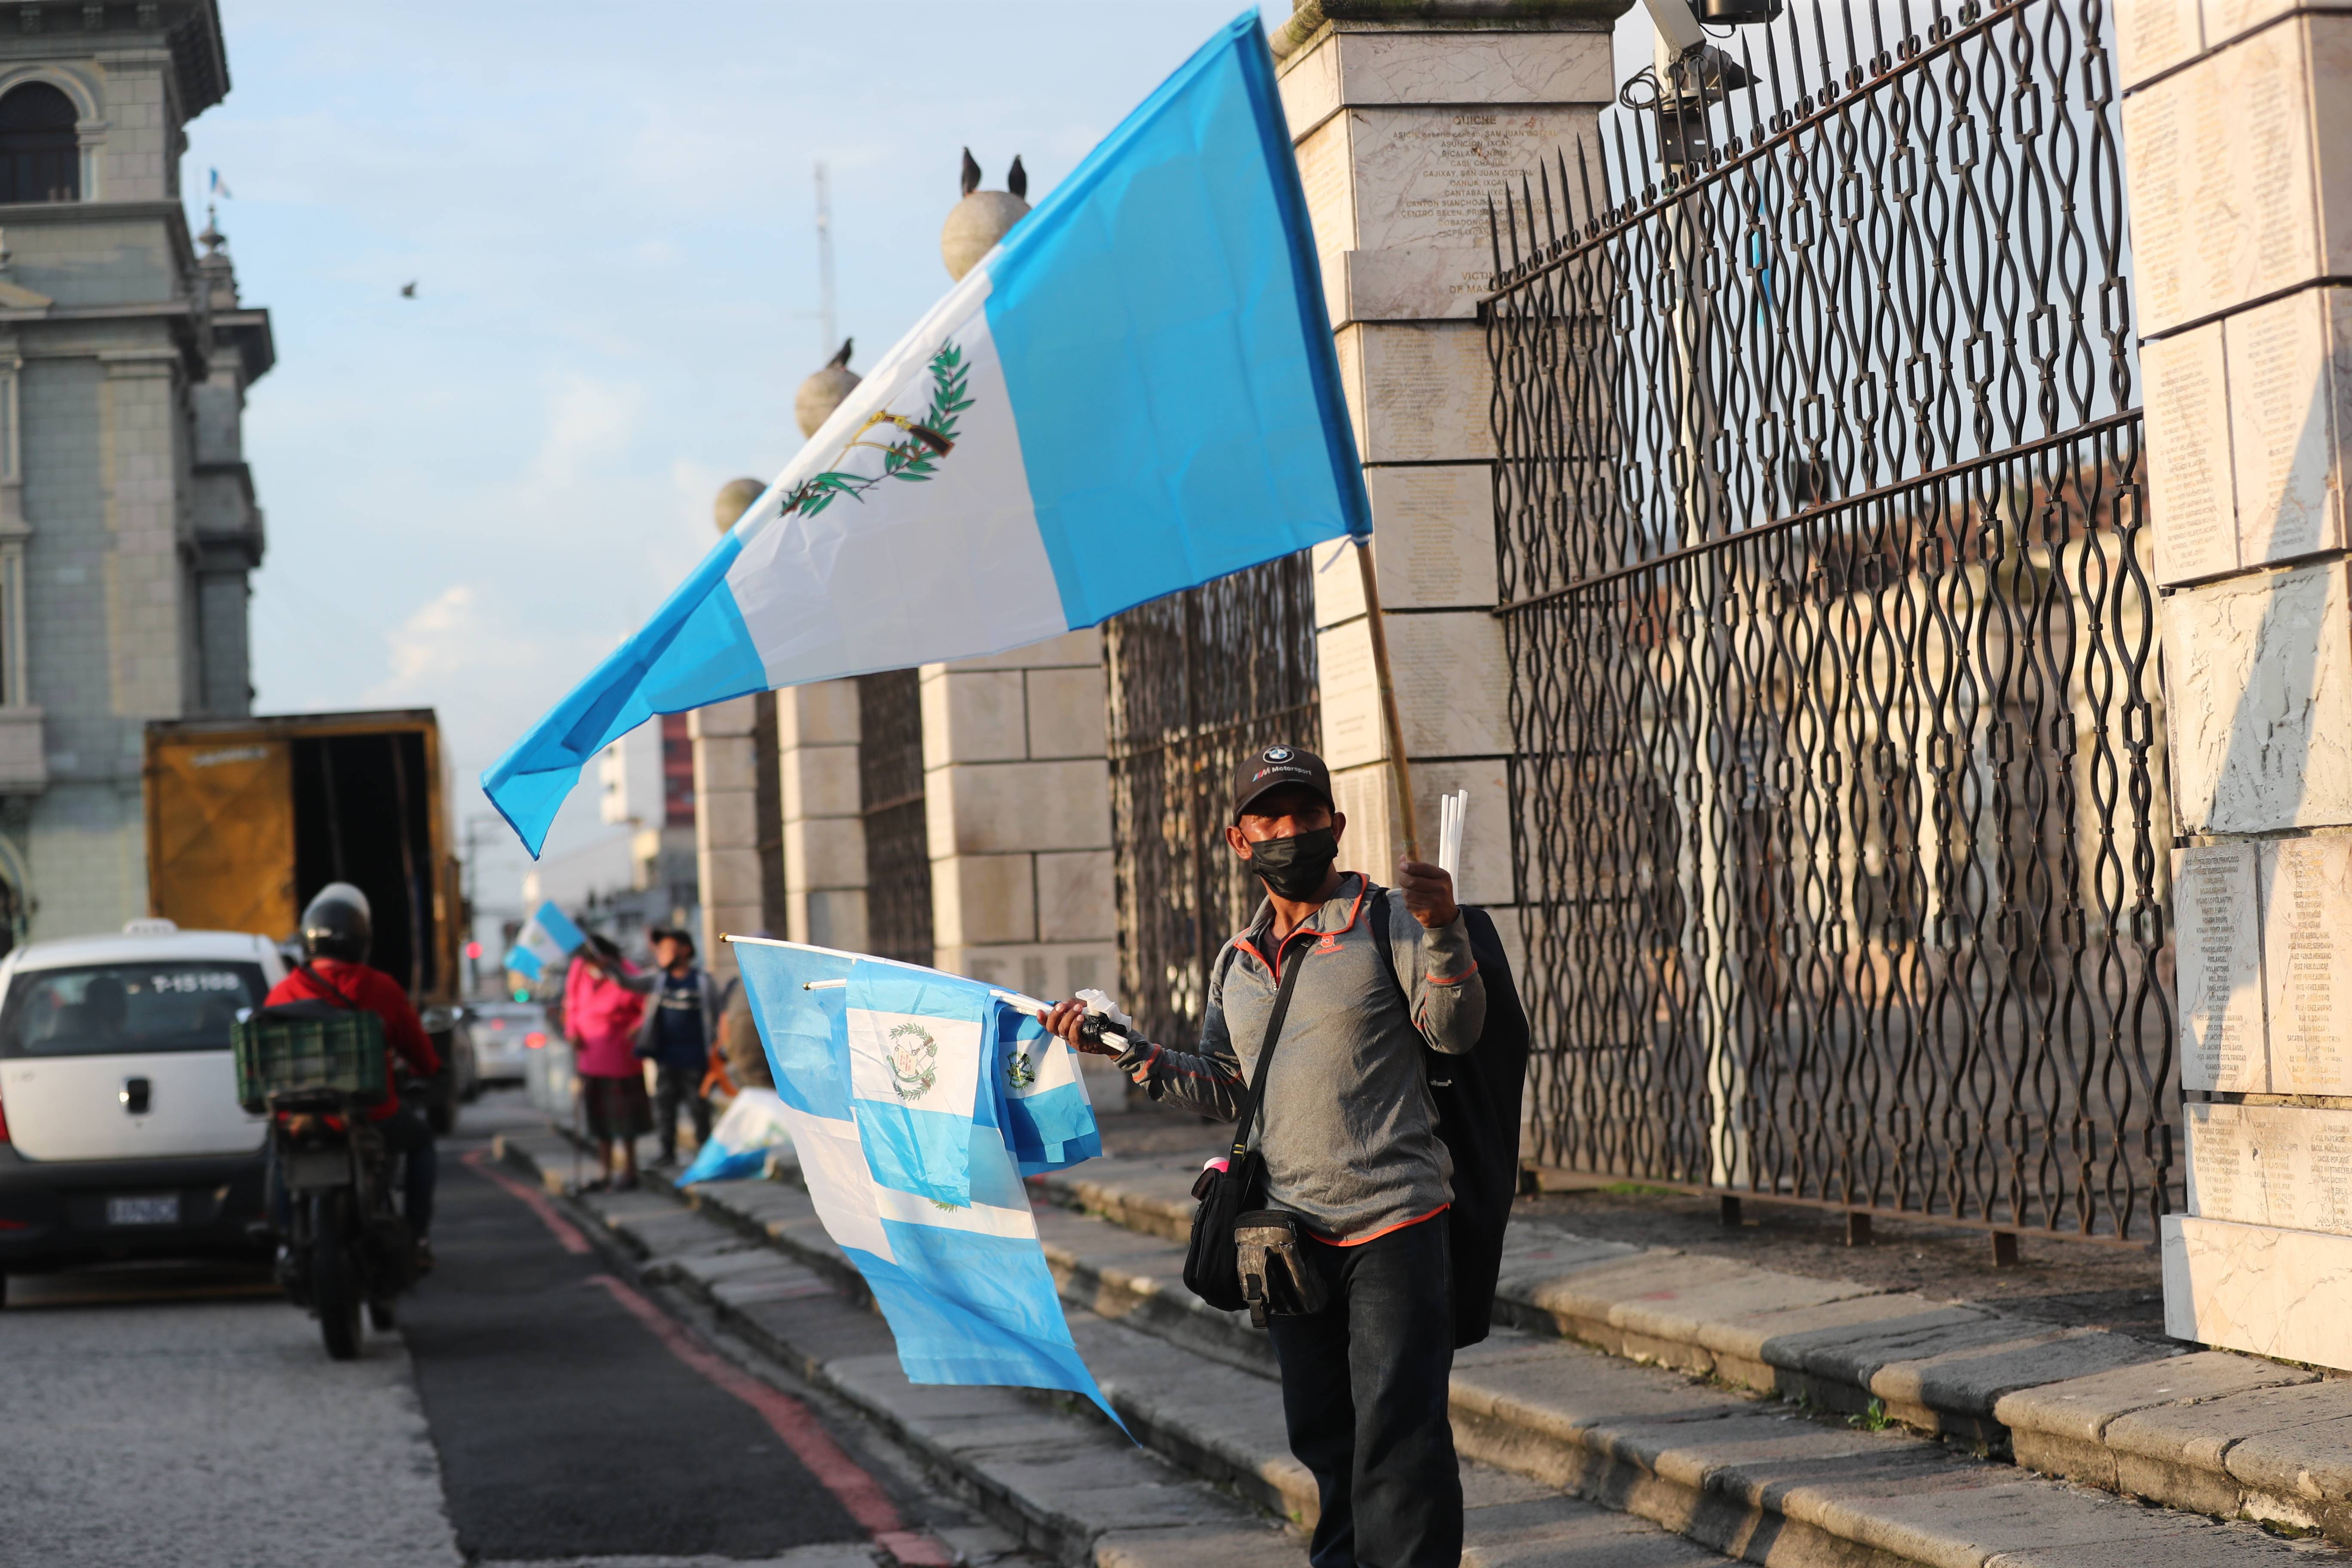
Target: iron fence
890, 800
1197, 681
1838, 805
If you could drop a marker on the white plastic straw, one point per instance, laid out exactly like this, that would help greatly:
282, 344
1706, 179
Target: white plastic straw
1453, 810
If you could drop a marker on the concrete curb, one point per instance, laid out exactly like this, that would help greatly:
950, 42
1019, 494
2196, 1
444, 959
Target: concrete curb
2209, 1432
1721, 1468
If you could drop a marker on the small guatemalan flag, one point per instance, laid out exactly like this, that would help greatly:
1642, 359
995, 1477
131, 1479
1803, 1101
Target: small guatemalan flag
546, 940
895, 1089
1134, 393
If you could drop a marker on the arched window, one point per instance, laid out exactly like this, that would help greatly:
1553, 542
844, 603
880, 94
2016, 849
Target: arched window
40, 155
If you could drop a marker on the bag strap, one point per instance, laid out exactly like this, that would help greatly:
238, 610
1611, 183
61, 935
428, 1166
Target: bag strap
336, 991
1265, 1054
1382, 946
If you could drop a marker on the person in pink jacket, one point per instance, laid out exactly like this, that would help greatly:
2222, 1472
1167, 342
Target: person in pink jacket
599, 1019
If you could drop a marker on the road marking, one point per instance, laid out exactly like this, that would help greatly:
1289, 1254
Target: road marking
567, 1235
857, 1491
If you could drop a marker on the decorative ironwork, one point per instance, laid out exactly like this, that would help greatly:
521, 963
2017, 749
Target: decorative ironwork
1840, 798
1197, 681
890, 799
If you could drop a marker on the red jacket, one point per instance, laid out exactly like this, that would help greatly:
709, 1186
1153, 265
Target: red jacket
405, 1037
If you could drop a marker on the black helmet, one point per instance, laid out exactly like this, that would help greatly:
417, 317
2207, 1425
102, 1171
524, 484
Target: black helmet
336, 924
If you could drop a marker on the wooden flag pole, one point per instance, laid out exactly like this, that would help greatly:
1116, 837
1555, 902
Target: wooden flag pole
1387, 679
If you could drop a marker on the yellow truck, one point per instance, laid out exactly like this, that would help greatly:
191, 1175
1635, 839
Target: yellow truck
247, 818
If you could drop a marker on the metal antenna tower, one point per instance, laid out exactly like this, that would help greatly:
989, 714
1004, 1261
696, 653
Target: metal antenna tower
830, 340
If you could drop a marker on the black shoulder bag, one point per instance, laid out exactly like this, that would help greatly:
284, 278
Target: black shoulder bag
1212, 1258
1478, 1098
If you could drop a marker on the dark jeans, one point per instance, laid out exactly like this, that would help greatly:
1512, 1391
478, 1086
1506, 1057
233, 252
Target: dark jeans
1364, 1395
409, 1133
672, 1083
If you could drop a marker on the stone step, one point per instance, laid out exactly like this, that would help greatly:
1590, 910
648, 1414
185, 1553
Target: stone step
2209, 1432
1045, 1466
1727, 1470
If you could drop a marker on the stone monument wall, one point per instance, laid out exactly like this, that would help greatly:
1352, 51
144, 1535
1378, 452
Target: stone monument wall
2237, 127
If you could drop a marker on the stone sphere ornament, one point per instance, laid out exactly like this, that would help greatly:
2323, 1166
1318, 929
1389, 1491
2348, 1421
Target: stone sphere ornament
735, 498
983, 217
820, 393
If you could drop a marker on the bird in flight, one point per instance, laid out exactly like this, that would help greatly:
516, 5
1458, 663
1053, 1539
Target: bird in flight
408, 291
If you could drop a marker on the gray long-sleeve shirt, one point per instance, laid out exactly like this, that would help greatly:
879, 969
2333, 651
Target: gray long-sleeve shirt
1349, 1131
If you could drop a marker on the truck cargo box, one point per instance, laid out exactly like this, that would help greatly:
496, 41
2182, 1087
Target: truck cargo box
247, 818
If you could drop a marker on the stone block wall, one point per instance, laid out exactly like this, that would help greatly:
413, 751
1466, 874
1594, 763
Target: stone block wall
1404, 129
1017, 794
825, 836
2238, 140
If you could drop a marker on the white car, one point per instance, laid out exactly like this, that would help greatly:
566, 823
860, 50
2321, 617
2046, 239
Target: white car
120, 1134
505, 1033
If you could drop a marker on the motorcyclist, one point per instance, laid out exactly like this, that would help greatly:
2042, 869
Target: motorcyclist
336, 932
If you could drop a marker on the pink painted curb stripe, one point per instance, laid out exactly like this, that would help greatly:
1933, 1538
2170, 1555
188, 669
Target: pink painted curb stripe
810, 1442
838, 1473
567, 1235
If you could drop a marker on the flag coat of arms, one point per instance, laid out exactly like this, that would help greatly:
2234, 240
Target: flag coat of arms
964, 1285
1134, 393
546, 940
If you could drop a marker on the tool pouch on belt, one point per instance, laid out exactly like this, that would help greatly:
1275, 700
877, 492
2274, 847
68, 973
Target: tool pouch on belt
1276, 1277
1211, 1260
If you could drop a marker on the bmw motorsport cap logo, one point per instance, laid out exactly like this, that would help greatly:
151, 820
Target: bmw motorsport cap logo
1274, 768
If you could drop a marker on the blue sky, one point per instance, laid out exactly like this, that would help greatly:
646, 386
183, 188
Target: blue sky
607, 210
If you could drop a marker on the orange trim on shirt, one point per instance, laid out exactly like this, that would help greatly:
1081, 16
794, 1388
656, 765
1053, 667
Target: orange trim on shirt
1453, 980
1384, 1230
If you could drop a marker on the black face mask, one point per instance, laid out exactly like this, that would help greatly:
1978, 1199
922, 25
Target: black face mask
1294, 868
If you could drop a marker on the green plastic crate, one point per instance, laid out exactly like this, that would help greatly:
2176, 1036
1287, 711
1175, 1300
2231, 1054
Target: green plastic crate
275, 1054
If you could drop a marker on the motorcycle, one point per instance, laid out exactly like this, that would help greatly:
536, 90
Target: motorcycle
345, 1248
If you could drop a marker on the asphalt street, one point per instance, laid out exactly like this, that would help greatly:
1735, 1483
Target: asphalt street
534, 1406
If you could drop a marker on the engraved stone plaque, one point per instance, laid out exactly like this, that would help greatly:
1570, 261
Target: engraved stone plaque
2152, 36
2284, 406
1352, 702
2189, 498
2218, 945
2306, 892
1433, 542
1412, 285
1420, 392
1458, 67
2223, 207
2258, 677
2224, 1164
1423, 177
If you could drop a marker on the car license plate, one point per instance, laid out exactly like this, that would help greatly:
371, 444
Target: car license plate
165, 1210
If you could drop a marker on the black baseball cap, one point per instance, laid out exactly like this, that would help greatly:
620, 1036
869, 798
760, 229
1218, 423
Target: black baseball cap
1276, 767
673, 933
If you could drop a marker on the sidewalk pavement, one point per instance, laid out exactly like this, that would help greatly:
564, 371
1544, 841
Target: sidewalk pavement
1542, 1420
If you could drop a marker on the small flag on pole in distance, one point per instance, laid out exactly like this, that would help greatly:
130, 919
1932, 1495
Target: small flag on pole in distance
218, 186
1134, 393
546, 940
964, 1285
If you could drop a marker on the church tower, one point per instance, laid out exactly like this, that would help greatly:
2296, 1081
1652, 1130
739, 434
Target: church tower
128, 523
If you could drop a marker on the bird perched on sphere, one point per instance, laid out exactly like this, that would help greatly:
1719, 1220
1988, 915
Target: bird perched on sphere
841, 360
408, 291
983, 217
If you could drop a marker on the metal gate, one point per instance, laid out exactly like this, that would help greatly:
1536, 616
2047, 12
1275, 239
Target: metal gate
1197, 681
890, 801
1840, 800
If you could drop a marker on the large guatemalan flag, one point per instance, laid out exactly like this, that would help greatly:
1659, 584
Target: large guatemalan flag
895, 1089
1134, 393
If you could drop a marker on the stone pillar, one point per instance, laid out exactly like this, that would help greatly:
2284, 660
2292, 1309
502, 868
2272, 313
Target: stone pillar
727, 825
825, 836
1018, 793
1407, 119
2238, 142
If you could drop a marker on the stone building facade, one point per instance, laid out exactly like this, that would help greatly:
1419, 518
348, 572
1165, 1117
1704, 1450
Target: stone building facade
128, 523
